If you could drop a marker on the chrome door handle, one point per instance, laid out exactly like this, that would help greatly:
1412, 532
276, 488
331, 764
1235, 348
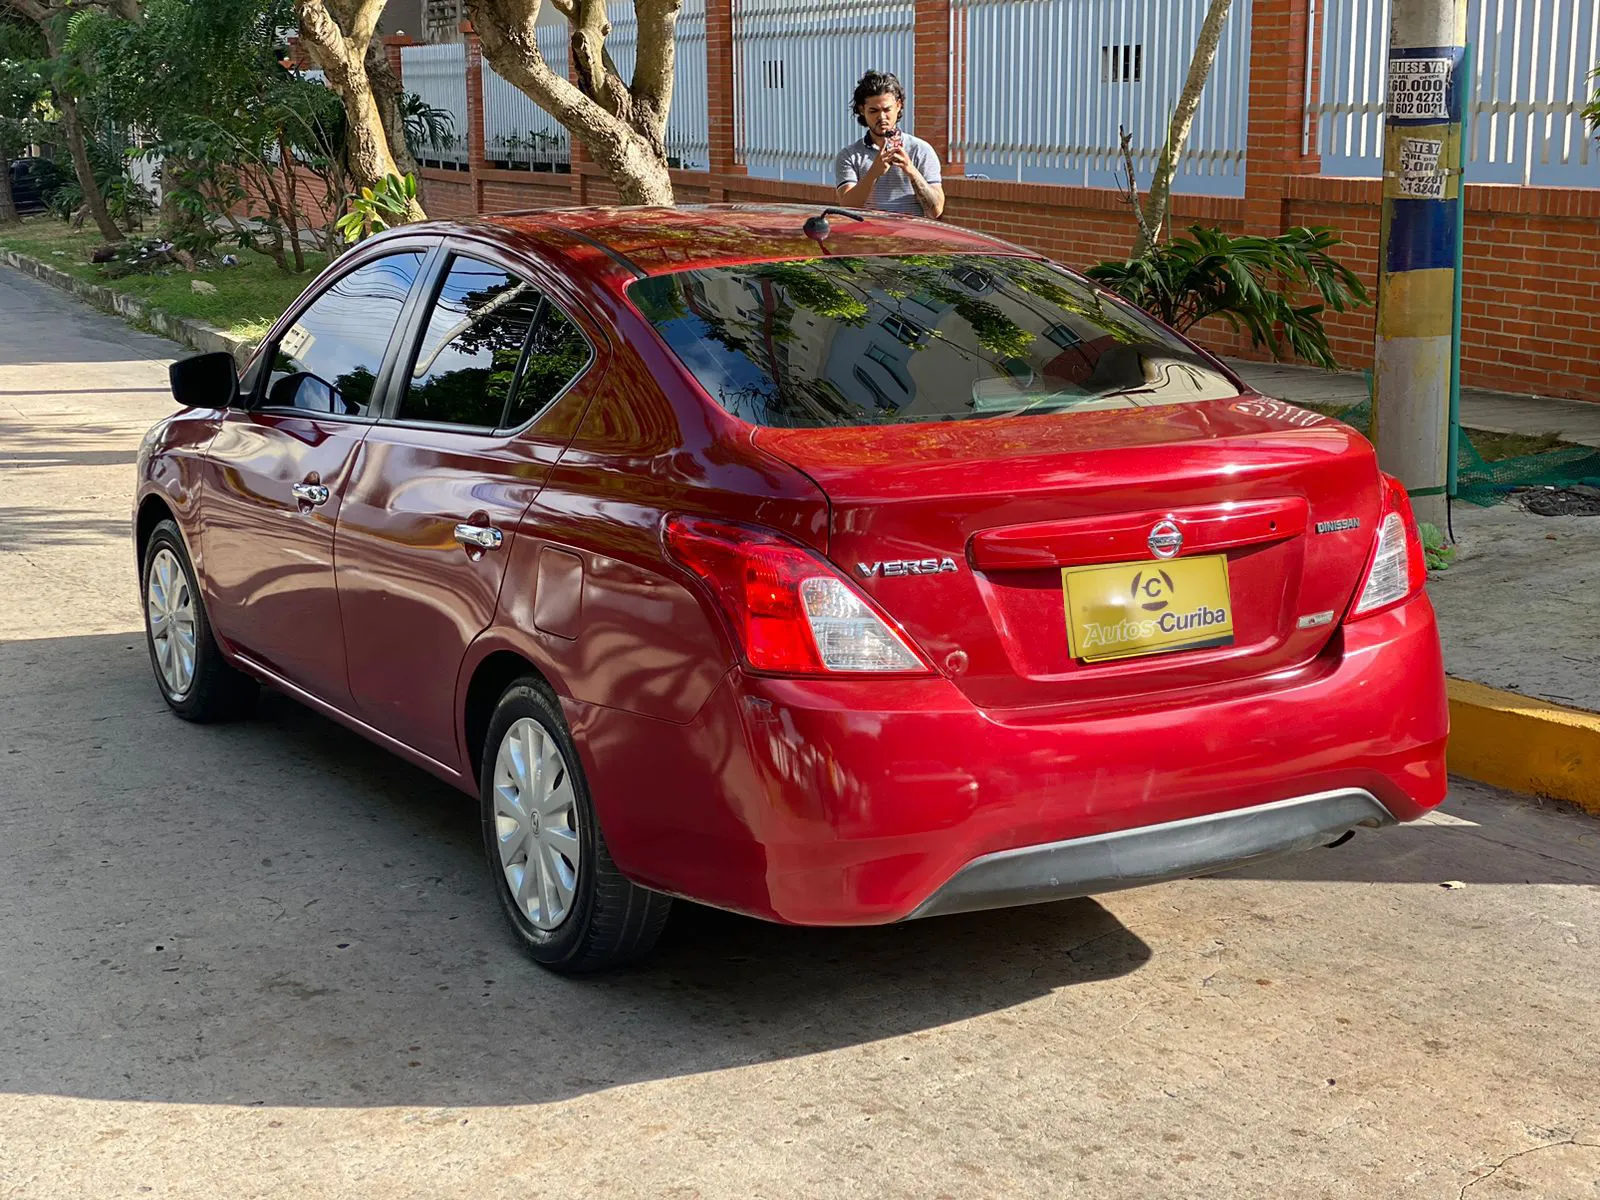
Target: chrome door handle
479, 537
310, 493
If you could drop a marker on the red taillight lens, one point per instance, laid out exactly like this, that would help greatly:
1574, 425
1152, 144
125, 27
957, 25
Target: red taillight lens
791, 612
1397, 570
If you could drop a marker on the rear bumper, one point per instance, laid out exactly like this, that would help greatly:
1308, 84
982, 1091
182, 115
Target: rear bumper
1108, 862
850, 802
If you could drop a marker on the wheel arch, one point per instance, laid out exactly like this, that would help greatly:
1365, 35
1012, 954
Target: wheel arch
153, 509
486, 681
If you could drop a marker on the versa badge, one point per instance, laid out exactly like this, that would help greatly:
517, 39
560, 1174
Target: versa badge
908, 566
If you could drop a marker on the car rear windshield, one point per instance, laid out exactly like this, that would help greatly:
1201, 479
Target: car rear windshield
873, 340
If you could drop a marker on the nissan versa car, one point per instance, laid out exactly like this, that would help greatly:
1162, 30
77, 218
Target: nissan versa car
832, 568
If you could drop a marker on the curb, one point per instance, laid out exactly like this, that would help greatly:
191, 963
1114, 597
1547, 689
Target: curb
1527, 745
197, 335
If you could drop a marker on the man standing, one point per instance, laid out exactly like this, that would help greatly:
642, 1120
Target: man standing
888, 169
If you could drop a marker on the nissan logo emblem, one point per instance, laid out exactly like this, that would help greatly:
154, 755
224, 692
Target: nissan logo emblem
1166, 539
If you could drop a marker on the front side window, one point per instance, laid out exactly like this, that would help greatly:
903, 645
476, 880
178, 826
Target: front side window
328, 360
869, 340
466, 364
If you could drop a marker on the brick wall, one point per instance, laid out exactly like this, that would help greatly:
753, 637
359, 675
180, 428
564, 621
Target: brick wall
1530, 283
1532, 270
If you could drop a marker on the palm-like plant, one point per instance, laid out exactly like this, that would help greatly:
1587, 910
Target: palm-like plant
1250, 282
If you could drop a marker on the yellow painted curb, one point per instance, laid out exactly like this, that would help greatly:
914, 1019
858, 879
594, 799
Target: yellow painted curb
1527, 745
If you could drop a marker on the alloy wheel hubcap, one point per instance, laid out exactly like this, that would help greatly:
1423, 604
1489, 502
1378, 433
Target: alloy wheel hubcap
536, 823
169, 607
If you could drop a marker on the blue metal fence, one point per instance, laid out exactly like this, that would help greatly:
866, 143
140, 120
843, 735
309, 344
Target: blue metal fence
1040, 88
796, 63
438, 74
1530, 81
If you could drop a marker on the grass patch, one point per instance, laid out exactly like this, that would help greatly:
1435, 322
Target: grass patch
1492, 447
249, 297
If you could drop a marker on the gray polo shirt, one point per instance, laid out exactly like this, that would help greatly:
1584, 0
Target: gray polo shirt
893, 192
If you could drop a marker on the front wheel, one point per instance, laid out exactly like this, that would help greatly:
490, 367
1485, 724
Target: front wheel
195, 680
570, 907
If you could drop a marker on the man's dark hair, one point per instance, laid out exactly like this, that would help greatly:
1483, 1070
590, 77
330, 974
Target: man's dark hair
876, 83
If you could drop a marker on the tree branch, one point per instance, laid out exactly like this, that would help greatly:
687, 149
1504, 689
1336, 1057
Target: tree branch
1129, 189
506, 30
362, 24
597, 109
597, 74
655, 66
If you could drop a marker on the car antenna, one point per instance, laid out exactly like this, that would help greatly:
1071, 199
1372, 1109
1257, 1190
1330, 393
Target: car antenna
817, 228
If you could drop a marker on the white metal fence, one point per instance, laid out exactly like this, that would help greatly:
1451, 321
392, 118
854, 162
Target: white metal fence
797, 63
1531, 63
688, 126
438, 74
1040, 88
517, 133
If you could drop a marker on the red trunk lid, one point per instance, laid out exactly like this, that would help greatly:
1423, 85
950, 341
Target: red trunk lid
1011, 501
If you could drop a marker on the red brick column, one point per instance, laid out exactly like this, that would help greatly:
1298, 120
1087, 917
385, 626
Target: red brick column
476, 158
930, 77
1278, 71
392, 45
721, 87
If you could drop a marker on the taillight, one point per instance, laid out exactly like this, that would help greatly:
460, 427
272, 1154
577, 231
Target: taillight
1398, 569
791, 612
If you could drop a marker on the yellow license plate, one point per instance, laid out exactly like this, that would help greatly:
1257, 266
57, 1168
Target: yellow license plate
1126, 609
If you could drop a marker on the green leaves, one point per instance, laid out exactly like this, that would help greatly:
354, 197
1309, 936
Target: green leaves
1437, 552
373, 210
1250, 282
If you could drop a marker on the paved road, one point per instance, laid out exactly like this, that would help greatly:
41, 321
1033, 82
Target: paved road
263, 960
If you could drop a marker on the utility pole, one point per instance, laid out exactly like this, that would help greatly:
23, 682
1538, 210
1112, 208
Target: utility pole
1418, 255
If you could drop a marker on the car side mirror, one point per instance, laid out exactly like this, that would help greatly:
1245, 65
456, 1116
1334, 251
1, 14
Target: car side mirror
205, 381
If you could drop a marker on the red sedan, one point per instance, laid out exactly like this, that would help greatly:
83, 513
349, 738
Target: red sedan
824, 567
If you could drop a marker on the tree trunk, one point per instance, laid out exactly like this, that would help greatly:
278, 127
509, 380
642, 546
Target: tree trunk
73, 128
342, 54
386, 92
291, 210
1160, 197
173, 219
638, 169
8, 202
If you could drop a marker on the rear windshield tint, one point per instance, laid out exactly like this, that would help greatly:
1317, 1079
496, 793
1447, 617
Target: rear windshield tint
874, 340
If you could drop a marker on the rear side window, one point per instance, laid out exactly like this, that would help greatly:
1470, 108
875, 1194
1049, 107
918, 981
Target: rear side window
873, 340
467, 361
328, 360
557, 354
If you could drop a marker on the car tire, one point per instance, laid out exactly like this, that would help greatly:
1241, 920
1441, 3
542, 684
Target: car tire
570, 908
195, 680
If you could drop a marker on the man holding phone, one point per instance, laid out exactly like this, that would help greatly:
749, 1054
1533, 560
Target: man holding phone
888, 169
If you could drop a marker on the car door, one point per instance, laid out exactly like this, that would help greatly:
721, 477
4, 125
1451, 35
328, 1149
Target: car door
276, 472
428, 518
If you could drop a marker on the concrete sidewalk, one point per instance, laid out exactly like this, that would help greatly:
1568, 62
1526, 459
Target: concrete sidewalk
1576, 421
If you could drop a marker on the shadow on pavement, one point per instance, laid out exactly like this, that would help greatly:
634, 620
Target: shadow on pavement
277, 912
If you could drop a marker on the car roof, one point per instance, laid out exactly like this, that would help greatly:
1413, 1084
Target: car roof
626, 243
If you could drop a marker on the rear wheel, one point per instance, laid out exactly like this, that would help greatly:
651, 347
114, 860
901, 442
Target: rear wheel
195, 680
570, 907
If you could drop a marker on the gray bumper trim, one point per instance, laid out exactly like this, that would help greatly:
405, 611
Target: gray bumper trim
1128, 858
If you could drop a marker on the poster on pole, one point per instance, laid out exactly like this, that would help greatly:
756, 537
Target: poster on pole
1418, 89
1420, 177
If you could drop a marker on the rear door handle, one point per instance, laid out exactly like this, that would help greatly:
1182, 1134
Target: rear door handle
310, 493
479, 537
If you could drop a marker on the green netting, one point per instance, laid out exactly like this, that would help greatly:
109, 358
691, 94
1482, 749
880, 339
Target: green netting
1481, 482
